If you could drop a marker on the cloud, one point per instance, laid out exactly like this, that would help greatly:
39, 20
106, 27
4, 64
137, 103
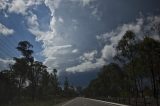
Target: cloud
60, 19
114, 36
51, 62
21, 6
86, 2
111, 40
108, 52
44, 36
83, 2
86, 66
33, 21
4, 63
51, 54
89, 56
3, 4
54, 45
52, 5
5, 31
18, 6
75, 51
154, 24
96, 13
51, 51
89, 62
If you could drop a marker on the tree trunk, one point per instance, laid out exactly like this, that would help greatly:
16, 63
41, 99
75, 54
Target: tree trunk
135, 81
155, 93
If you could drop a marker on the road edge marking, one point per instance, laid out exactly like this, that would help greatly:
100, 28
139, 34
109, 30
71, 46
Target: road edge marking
70, 101
107, 102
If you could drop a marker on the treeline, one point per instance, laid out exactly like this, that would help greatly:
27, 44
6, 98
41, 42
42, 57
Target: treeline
27, 79
135, 72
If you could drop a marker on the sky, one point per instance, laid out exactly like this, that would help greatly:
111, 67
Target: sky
77, 37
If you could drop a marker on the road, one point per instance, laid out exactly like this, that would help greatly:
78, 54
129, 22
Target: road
80, 101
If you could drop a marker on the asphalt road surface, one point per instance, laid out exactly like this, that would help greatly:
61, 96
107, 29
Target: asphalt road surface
80, 101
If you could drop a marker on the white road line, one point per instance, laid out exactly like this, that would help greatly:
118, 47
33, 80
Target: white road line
100, 101
106, 102
70, 101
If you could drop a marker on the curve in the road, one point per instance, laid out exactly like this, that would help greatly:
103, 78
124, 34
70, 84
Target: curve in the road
80, 101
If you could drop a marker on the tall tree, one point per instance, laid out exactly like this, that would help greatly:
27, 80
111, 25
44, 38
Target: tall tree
66, 86
45, 83
23, 64
8, 87
109, 82
24, 48
126, 50
54, 82
34, 76
150, 52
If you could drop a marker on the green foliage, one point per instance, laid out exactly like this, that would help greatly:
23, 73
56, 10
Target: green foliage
108, 83
28, 79
138, 76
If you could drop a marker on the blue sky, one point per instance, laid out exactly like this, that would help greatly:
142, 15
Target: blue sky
75, 36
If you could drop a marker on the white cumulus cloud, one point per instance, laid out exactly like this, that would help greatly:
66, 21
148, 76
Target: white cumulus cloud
111, 39
89, 56
52, 5
21, 6
87, 63
5, 31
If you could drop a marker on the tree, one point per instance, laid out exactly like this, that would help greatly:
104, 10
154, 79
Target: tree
126, 51
8, 88
108, 83
150, 52
24, 48
34, 76
45, 83
54, 82
23, 64
66, 86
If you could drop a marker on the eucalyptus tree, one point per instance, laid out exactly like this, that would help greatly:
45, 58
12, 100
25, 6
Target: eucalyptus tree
109, 82
20, 71
24, 48
45, 82
54, 82
127, 51
23, 64
8, 86
150, 52
66, 86
35, 76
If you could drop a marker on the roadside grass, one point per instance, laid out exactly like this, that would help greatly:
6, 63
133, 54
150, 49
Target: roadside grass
54, 102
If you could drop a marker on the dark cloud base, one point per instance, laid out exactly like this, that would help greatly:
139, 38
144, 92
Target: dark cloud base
79, 78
